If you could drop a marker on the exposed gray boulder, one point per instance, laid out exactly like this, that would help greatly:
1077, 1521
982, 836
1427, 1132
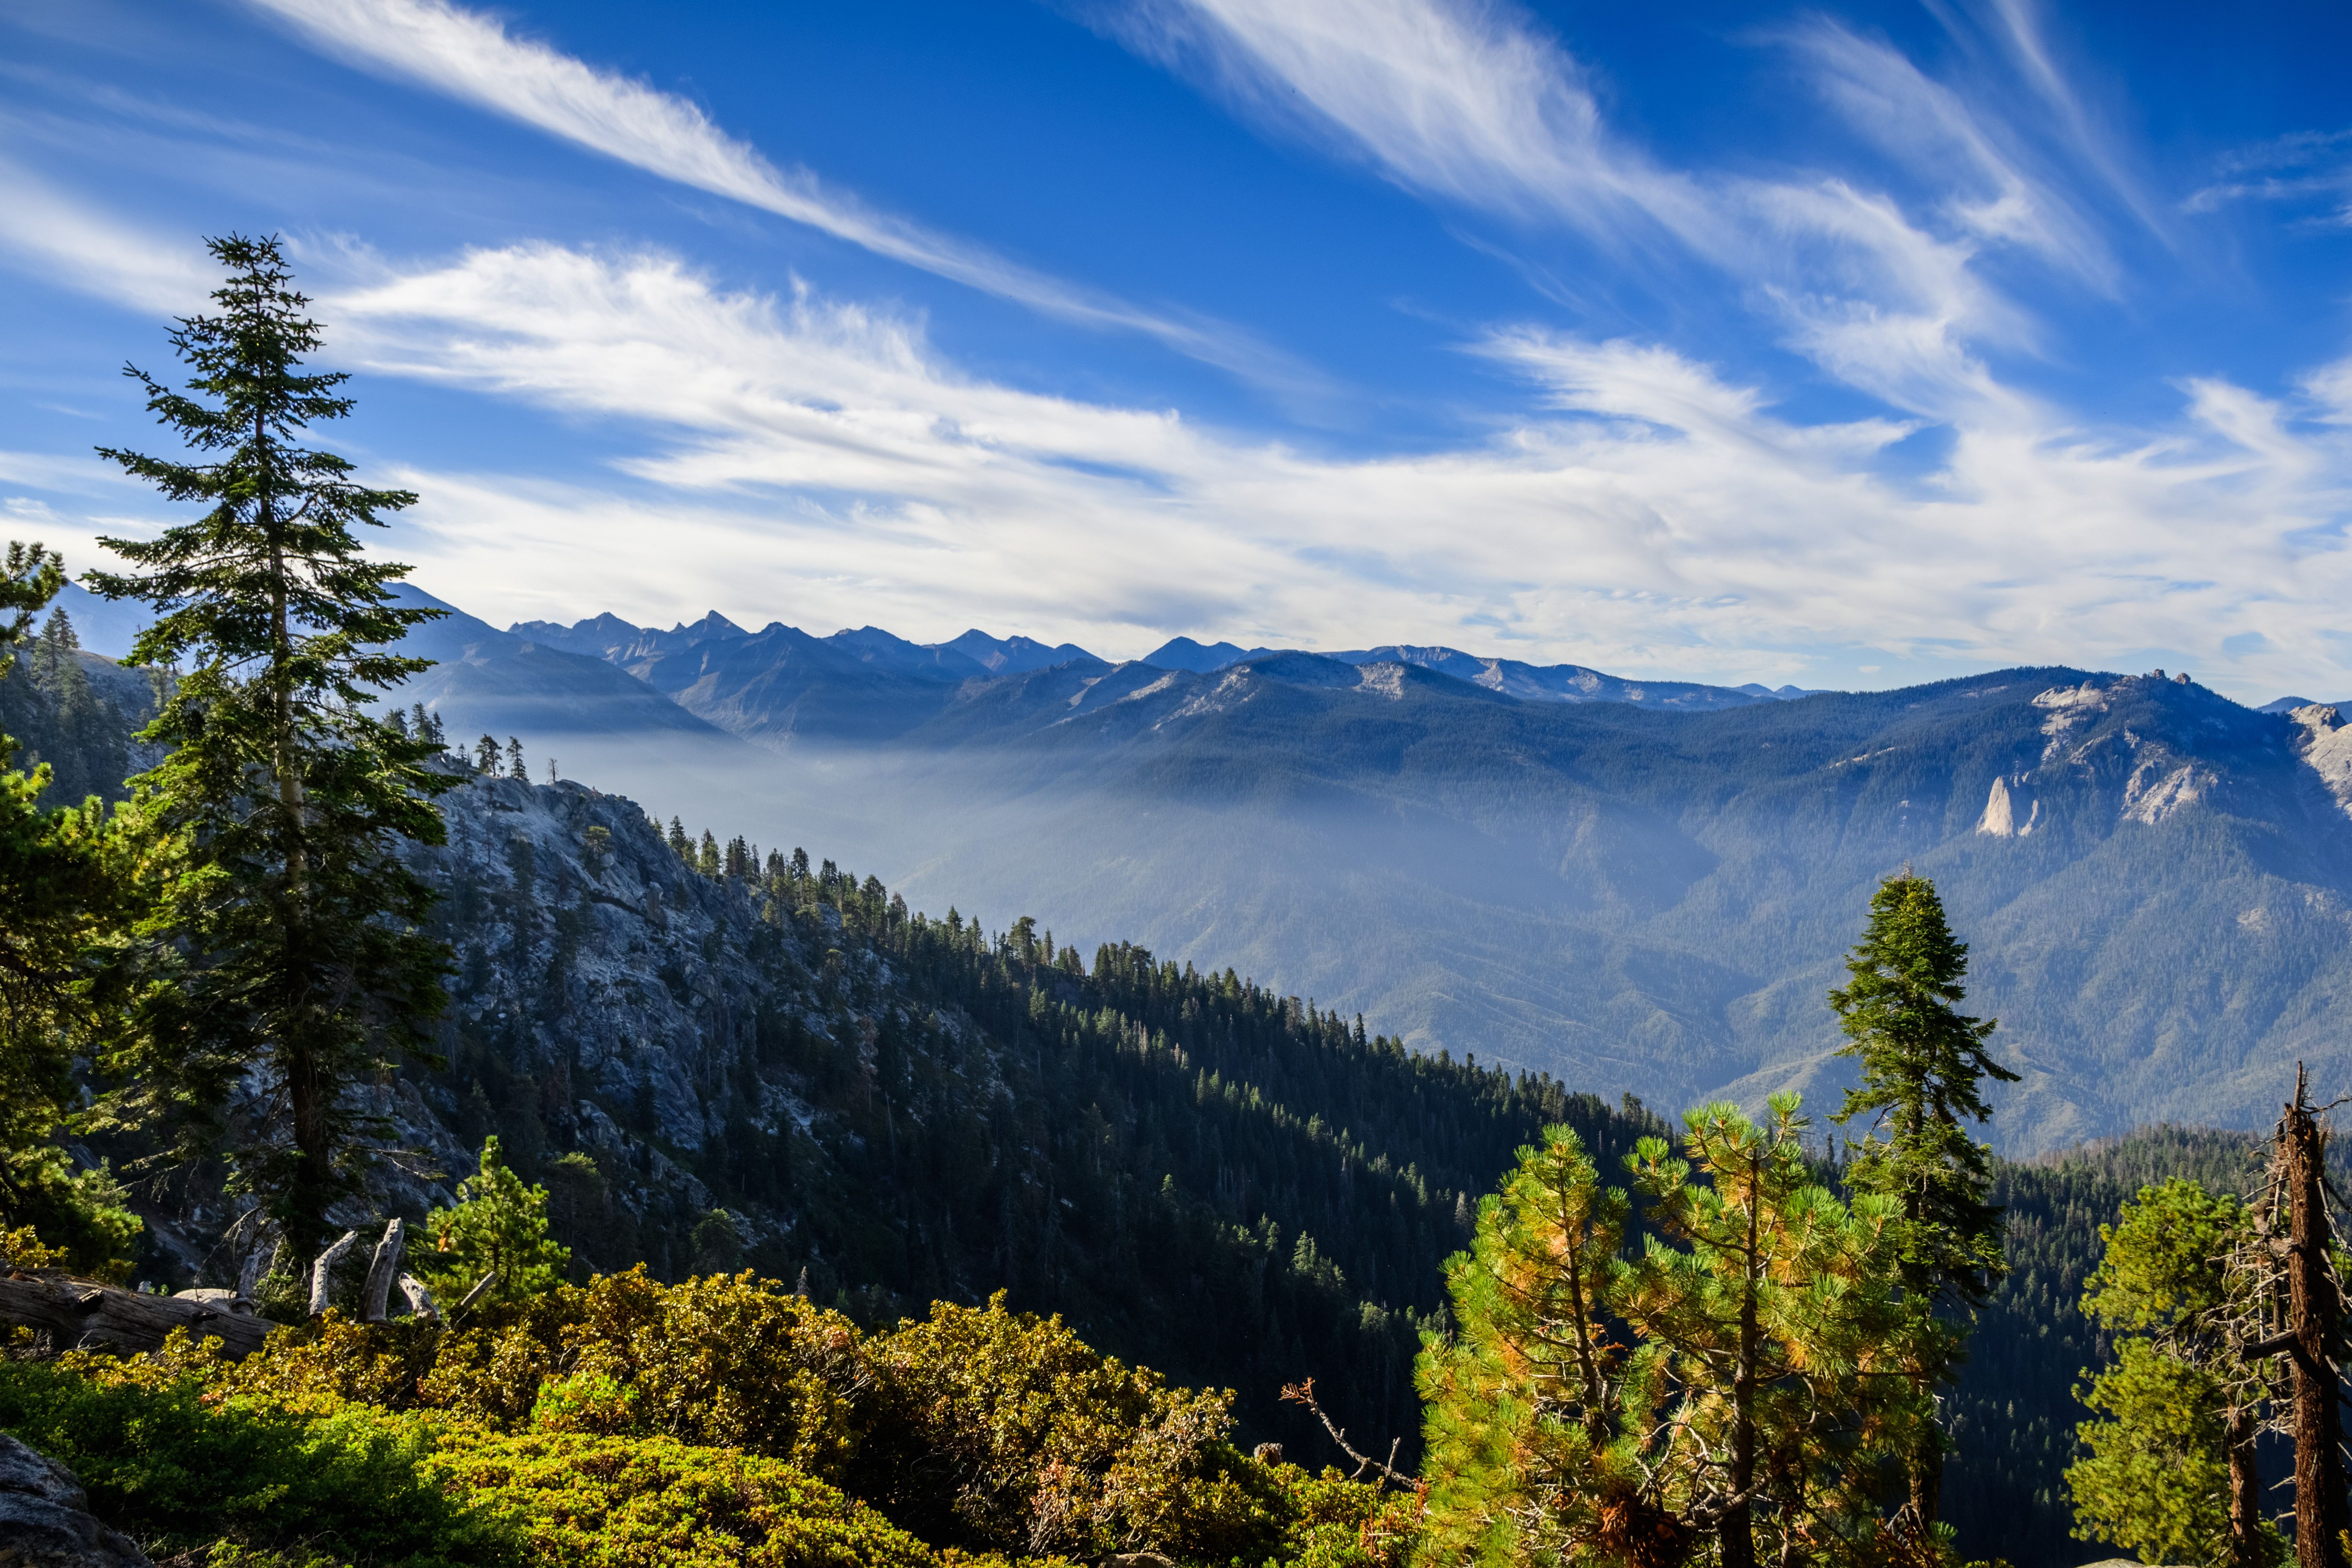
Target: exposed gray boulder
45, 1517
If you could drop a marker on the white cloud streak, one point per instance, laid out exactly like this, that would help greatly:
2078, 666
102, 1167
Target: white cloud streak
824, 462
1448, 99
1463, 102
2302, 169
472, 57
66, 243
1931, 128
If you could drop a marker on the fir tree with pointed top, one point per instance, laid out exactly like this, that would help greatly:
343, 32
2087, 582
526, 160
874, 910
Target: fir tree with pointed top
1923, 1061
306, 964
56, 670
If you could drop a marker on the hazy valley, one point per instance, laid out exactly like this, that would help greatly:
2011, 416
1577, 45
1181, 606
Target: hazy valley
1636, 895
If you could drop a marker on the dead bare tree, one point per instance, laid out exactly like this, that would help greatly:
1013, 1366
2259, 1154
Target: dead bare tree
1304, 1394
2302, 1302
382, 1270
323, 1267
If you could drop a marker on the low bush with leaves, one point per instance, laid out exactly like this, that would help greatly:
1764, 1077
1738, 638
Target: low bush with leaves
724, 1420
574, 1500
1005, 1431
179, 1466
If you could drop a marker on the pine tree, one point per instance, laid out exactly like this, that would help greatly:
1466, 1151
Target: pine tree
680, 845
56, 670
286, 798
707, 862
28, 581
1922, 1062
2171, 1471
486, 757
1534, 1435
515, 770
499, 1227
1769, 1327
1741, 1418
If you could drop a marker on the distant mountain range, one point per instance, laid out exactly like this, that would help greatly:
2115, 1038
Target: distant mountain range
1637, 886
714, 647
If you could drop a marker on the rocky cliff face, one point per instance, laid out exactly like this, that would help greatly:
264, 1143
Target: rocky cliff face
610, 999
607, 999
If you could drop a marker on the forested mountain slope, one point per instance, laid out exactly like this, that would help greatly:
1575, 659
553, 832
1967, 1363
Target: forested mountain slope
2157, 882
793, 1072
797, 1072
75, 712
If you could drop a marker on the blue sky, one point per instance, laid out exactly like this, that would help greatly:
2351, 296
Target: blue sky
1843, 346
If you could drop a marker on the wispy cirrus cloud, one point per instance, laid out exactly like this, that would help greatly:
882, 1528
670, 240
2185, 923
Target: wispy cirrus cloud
1450, 99
473, 57
827, 464
1468, 102
2311, 169
2020, 28
93, 252
1987, 191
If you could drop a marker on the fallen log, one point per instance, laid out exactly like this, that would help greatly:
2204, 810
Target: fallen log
82, 1314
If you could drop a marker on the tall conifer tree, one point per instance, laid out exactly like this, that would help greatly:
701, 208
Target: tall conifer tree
288, 798
1922, 1062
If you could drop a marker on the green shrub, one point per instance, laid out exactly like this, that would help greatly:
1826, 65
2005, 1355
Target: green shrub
179, 1466
724, 1362
322, 1363
1334, 1522
608, 1418
1005, 1431
581, 1501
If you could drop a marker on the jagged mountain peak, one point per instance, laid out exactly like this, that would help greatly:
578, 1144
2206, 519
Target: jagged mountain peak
1184, 653
1013, 655
712, 624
